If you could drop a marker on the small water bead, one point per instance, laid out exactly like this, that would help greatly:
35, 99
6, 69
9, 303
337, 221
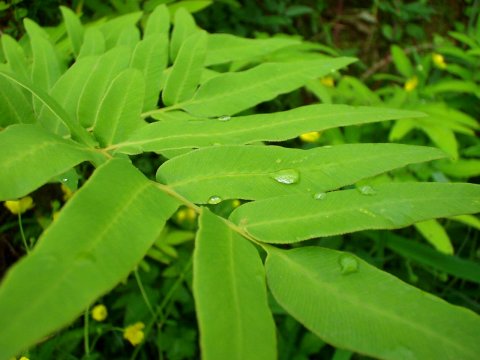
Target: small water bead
320, 196
224, 118
214, 199
367, 190
278, 161
287, 176
348, 264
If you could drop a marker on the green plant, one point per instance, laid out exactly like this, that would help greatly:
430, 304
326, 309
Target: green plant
119, 98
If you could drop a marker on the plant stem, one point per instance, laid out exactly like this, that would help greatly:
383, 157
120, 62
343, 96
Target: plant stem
165, 302
142, 291
22, 234
86, 340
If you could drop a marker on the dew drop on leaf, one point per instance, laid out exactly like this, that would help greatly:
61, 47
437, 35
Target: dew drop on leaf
214, 199
366, 190
320, 196
287, 176
348, 264
224, 118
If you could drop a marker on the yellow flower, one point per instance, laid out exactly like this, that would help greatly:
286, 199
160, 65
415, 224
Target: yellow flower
186, 214
99, 312
67, 192
439, 61
19, 206
134, 333
411, 84
310, 137
328, 81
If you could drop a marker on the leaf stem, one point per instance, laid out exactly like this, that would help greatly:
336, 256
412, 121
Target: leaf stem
159, 111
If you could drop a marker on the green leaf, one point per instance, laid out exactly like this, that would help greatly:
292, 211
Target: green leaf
248, 172
98, 238
24, 148
151, 57
119, 110
92, 87
460, 168
130, 37
112, 29
441, 136
185, 74
93, 43
224, 48
158, 22
436, 235
353, 305
46, 67
75, 29
401, 61
230, 294
464, 269
469, 220
231, 93
63, 119
184, 27
15, 56
299, 217
278, 126
191, 6
15, 106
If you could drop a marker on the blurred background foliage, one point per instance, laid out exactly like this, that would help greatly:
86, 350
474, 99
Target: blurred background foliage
422, 55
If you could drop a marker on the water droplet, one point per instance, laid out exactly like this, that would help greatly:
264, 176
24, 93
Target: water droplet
278, 161
366, 190
348, 264
64, 180
214, 200
320, 196
86, 257
287, 176
224, 118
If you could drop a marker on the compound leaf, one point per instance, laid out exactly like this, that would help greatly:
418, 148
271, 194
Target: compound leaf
98, 238
231, 93
292, 218
119, 111
24, 147
249, 172
230, 294
279, 126
185, 74
353, 305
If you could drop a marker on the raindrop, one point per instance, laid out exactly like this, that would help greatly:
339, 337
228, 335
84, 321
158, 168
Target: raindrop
366, 190
64, 180
214, 200
320, 196
348, 264
224, 118
287, 176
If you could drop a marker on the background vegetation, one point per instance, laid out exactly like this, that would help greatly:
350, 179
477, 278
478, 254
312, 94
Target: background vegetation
414, 55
